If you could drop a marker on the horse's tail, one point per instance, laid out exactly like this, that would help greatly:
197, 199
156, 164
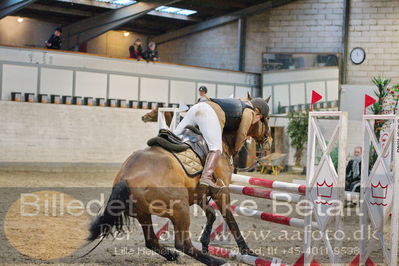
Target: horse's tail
114, 215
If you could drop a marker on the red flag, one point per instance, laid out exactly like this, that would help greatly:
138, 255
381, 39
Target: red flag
315, 97
368, 100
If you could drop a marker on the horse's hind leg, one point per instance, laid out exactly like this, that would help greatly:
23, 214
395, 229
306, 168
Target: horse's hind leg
181, 223
151, 241
206, 234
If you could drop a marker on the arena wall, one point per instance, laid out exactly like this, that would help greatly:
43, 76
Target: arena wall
374, 25
54, 134
300, 26
216, 48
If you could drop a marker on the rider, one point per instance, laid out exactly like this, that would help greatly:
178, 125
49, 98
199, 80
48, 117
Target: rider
222, 115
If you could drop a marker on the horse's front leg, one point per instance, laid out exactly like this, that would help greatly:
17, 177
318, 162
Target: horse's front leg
206, 234
223, 203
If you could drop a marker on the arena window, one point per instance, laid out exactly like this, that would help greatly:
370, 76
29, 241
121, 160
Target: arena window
175, 10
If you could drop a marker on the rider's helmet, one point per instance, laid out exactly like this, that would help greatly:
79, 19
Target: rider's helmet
203, 88
262, 106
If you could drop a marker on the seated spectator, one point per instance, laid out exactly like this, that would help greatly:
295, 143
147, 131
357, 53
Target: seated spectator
136, 50
151, 54
353, 171
54, 42
202, 92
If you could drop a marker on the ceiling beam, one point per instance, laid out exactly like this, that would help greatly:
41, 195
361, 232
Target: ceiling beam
61, 10
8, 7
92, 3
84, 30
215, 22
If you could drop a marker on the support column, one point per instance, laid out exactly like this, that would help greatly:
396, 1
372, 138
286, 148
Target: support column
241, 37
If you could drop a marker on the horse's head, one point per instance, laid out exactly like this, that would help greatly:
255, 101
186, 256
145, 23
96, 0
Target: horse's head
260, 131
151, 116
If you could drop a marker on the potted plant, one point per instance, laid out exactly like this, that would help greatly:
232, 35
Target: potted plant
298, 132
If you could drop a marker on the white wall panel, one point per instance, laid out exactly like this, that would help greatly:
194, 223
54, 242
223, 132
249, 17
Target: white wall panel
211, 89
297, 93
182, 91
266, 92
332, 90
123, 87
19, 79
241, 92
56, 81
65, 59
281, 96
225, 91
154, 90
89, 84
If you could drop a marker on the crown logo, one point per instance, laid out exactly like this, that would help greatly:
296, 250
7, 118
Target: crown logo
379, 191
324, 190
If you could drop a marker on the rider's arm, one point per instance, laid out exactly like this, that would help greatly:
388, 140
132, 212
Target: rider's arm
246, 121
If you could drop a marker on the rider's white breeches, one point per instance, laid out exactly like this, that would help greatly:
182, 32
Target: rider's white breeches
203, 116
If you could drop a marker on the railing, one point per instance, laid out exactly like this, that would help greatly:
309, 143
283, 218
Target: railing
40, 71
293, 87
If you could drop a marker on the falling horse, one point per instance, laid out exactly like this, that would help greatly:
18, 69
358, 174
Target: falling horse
141, 190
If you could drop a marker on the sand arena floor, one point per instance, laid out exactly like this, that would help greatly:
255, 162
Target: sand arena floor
49, 237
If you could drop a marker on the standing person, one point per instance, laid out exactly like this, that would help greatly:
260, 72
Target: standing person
202, 92
54, 42
136, 50
151, 54
353, 170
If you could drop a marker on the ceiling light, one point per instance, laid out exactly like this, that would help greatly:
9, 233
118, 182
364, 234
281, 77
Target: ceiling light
126, 33
175, 10
20, 20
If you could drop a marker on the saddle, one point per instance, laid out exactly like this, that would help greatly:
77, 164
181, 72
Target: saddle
190, 150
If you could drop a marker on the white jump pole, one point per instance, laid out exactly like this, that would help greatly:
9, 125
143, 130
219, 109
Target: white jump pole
284, 186
265, 194
266, 216
279, 185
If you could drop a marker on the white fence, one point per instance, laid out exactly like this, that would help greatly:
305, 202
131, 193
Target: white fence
294, 87
41, 71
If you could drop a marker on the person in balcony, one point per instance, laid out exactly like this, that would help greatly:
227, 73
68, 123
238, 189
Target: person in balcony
136, 50
202, 92
353, 170
151, 54
54, 42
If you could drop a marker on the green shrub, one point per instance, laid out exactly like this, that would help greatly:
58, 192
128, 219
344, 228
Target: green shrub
298, 132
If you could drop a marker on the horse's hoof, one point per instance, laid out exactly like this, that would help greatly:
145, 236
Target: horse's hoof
205, 249
173, 256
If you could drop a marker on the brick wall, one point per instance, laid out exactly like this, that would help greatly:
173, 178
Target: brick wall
212, 48
374, 26
301, 26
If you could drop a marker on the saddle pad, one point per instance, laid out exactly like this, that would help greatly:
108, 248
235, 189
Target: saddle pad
190, 162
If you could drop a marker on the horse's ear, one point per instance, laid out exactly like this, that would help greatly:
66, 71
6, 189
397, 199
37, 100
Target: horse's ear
249, 96
268, 99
